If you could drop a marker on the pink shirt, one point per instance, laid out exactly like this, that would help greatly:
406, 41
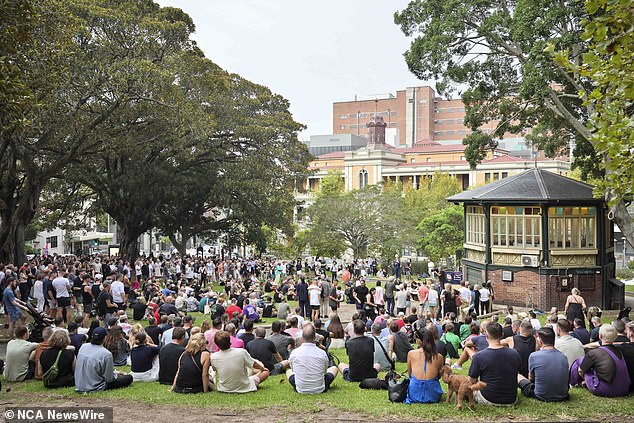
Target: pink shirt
423, 291
236, 342
211, 344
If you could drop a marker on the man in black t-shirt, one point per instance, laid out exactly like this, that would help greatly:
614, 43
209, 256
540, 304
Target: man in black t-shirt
360, 295
105, 303
139, 309
361, 354
264, 350
494, 365
154, 331
169, 356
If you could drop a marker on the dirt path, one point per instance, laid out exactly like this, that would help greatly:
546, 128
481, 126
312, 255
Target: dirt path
133, 412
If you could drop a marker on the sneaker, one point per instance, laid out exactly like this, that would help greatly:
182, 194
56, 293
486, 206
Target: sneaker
456, 367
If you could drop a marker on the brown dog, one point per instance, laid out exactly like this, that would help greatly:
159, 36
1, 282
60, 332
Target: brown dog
461, 385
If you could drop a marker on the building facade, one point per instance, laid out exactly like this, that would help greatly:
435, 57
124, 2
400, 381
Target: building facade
379, 162
414, 114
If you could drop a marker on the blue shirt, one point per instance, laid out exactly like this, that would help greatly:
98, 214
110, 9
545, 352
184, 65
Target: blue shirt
94, 368
9, 298
550, 373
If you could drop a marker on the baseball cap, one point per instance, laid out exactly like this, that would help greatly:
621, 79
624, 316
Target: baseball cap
99, 333
98, 276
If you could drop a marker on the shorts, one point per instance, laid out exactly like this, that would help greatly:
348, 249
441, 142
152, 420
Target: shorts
277, 369
315, 307
14, 316
479, 398
346, 375
63, 302
328, 379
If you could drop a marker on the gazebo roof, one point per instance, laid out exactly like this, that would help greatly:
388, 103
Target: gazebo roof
535, 185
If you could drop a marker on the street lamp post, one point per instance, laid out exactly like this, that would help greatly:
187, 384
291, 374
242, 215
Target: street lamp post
624, 249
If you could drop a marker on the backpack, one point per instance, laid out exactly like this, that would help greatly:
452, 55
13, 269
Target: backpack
51, 374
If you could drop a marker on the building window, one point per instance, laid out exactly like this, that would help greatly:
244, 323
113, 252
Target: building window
342, 127
52, 241
412, 160
363, 178
361, 115
462, 158
392, 123
353, 126
505, 175
392, 113
516, 227
572, 227
344, 116
428, 159
353, 115
476, 224
487, 178
496, 176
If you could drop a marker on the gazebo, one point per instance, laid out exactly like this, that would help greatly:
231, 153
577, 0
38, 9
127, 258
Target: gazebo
535, 236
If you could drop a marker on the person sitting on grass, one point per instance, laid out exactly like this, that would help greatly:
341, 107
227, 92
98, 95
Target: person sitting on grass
449, 337
309, 373
265, 351
360, 351
192, 375
118, 345
398, 343
20, 359
423, 367
76, 339
547, 371
235, 341
144, 359
233, 365
473, 345
94, 370
493, 365
283, 343
58, 351
607, 365
524, 343
169, 356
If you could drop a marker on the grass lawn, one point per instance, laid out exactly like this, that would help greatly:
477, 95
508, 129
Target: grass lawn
345, 396
629, 288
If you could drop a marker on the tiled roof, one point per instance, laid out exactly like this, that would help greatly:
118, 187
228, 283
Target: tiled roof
505, 159
533, 185
333, 155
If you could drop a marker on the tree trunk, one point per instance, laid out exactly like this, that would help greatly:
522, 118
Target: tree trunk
624, 220
15, 215
129, 242
181, 245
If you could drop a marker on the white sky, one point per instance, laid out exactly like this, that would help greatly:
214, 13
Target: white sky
313, 53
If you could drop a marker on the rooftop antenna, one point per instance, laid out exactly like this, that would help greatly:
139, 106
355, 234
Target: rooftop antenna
376, 107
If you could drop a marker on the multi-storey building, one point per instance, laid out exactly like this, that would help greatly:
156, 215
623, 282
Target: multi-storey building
415, 114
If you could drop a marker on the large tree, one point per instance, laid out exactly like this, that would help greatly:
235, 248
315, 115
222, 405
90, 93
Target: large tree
38, 130
499, 55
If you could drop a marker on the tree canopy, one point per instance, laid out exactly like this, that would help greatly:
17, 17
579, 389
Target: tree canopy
498, 57
116, 97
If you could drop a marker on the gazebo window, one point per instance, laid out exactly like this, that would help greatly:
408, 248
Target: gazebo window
572, 227
516, 227
363, 178
476, 224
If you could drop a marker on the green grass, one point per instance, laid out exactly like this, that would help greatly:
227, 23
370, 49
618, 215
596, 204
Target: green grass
276, 392
629, 288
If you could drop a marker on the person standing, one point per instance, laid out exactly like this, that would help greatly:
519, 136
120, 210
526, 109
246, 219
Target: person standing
333, 297
360, 295
12, 306
62, 287
301, 290
390, 288
575, 304
325, 296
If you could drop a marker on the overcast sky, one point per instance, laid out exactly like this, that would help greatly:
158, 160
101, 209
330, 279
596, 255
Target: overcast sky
311, 52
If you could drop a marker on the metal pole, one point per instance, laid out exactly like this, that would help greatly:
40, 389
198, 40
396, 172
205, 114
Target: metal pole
624, 250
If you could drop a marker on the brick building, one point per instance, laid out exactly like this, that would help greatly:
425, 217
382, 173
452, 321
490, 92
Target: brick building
535, 236
415, 114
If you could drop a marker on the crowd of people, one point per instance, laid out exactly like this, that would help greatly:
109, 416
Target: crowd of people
427, 324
